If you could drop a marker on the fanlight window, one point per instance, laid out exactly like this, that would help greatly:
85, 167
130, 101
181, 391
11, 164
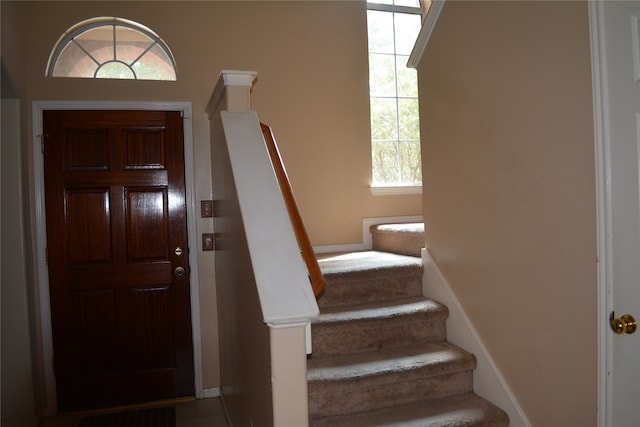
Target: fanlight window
112, 48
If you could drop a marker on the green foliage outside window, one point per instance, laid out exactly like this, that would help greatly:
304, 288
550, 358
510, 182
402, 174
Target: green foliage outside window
395, 127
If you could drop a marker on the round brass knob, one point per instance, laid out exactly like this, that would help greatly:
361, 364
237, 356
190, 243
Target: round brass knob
624, 325
179, 271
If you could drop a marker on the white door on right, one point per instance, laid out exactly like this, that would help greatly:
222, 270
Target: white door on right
619, 23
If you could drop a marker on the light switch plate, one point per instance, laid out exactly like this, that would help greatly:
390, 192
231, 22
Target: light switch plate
206, 208
207, 242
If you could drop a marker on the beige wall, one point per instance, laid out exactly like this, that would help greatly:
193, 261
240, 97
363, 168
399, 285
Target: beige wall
17, 378
18, 398
509, 178
312, 89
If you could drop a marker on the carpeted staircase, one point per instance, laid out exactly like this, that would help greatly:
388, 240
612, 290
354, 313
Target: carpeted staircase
380, 351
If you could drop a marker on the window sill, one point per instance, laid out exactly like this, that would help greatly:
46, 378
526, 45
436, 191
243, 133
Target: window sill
395, 190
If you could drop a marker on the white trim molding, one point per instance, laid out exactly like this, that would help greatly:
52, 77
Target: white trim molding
488, 382
395, 190
367, 239
41, 287
635, 43
227, 79
425, 33
604, 214
208, 393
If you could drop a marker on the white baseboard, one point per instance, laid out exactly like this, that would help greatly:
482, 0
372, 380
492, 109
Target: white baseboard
366, 243
225, 410
209, 393
488, 382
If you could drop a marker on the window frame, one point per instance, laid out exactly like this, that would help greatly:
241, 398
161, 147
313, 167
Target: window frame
89, 24
400, 188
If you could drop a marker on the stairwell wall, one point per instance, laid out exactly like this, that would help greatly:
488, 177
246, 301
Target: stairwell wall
17, 391
313, 91
509, 183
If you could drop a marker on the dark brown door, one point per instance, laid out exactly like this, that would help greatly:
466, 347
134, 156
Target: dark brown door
116, 240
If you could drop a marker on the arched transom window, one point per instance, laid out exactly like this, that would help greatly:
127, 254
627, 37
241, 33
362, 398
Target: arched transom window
112, 48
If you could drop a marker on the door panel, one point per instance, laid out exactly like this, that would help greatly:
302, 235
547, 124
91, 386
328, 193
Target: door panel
115, 203
145, 149
93, 325
88, 225
146, 226
86, 149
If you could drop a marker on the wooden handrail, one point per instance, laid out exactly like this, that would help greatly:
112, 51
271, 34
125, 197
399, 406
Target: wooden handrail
315, 275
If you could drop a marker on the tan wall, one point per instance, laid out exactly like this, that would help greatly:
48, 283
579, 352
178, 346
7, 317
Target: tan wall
510, 209
18, 397
312, 89
17, 378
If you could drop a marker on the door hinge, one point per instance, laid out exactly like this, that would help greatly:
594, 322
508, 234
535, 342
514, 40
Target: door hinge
42, 138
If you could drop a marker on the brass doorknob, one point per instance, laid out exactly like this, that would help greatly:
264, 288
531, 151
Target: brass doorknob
179, 271
624, 325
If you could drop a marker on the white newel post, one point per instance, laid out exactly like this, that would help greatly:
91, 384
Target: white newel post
232, 92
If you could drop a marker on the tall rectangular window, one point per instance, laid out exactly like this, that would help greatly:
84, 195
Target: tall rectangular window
393, 26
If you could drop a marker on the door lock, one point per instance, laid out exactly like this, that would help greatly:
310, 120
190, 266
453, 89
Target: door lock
626, 324
179, 271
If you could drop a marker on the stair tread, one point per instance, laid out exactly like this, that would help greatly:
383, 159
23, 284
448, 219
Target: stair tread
403, 238
372, 326
443, 357
381, 310
455, 411
402, 228
365, 261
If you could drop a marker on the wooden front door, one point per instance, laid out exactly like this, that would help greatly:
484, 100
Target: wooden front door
116, 244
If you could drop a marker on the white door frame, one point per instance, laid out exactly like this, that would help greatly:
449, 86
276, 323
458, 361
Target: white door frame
604, 213
44, 340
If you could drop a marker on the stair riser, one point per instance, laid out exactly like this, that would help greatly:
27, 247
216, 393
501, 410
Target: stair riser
357, 336
399, 243
365, 395
462, 410
358, 290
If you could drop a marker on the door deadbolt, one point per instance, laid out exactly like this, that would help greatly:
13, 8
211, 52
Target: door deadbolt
179, 271
626, 324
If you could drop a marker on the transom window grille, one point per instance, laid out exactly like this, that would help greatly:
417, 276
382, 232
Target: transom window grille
112, 48
393, 26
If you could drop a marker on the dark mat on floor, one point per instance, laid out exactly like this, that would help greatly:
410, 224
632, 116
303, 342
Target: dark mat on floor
150, 417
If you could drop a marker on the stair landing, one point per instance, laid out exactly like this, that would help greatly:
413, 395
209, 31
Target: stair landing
403, 238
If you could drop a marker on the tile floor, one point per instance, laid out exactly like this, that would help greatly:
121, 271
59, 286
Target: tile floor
192, 413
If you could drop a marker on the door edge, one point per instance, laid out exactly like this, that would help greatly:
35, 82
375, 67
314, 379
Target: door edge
603, 213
